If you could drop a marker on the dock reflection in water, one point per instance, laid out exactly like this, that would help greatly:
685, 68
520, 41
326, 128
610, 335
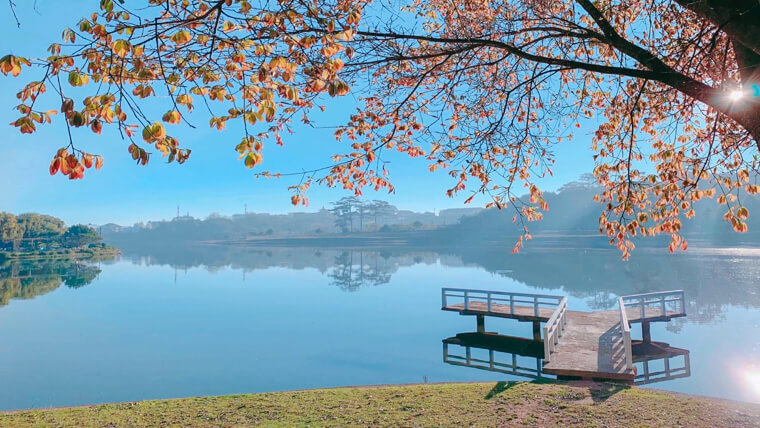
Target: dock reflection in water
517, 356
497, 353
658, 362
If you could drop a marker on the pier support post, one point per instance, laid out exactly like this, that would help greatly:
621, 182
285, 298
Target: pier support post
646, 335
481, 323
536, 330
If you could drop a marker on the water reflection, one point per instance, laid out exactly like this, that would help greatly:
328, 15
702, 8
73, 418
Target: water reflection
352, 270
658, 362
201, 335
516, 356
712, 278
496, 353
26, 279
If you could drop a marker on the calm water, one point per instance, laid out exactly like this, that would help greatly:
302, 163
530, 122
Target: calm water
219, 320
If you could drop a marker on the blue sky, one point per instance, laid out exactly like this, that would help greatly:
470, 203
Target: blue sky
213, 180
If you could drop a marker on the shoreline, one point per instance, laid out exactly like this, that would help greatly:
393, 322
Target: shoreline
446, 403
56, 255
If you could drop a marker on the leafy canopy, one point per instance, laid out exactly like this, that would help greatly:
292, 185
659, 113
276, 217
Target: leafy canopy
484, 89
46, 228
79, 235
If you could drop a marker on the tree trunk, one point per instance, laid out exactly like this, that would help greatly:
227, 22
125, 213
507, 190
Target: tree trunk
740, 19
749, 118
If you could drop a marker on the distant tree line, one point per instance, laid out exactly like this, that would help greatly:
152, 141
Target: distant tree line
32, 231
348, 215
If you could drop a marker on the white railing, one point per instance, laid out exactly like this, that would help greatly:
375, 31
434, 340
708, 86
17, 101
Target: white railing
662, 302
554, 328
491, 298
625, 327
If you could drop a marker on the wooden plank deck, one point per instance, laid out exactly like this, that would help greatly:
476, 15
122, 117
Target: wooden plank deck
527, 313
523, 313
591, 346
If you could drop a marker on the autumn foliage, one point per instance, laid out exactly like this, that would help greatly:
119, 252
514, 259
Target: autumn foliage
483, 89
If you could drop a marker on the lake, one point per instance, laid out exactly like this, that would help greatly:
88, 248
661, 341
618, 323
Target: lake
211, 320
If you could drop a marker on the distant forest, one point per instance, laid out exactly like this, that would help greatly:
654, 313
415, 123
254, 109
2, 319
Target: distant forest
572, 213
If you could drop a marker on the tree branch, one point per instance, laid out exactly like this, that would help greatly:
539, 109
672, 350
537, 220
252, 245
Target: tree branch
13, 11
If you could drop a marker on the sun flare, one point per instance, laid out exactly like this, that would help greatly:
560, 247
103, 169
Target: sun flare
753, 380
736, 95
749, 377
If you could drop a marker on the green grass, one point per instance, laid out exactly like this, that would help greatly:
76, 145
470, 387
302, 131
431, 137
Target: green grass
473, 404
63, 253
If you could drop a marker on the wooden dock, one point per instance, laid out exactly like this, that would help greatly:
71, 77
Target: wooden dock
577, 344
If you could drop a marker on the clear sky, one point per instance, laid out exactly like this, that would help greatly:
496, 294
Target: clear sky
213, 180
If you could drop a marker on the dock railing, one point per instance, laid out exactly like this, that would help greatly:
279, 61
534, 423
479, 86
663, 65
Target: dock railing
554, 328
626, 329
655, 305
491, 298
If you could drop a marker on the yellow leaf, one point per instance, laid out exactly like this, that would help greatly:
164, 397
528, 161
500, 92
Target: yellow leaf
121, 48
181, 37
154, 132
172, 117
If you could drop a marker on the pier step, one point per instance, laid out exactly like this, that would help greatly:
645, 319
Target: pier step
592, 346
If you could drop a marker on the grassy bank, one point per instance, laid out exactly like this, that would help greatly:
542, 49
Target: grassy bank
66, 253
472, 404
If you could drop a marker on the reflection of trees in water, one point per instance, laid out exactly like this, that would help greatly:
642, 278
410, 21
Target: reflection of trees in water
602, 300
26, 279
712, 279
15, 288
354, 269
347, 268
699, 312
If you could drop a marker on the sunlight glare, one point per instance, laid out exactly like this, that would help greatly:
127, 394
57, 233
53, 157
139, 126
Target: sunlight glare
750, 378
736, 95
753, 379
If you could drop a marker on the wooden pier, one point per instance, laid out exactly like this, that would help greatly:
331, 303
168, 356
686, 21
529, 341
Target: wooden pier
577, 344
